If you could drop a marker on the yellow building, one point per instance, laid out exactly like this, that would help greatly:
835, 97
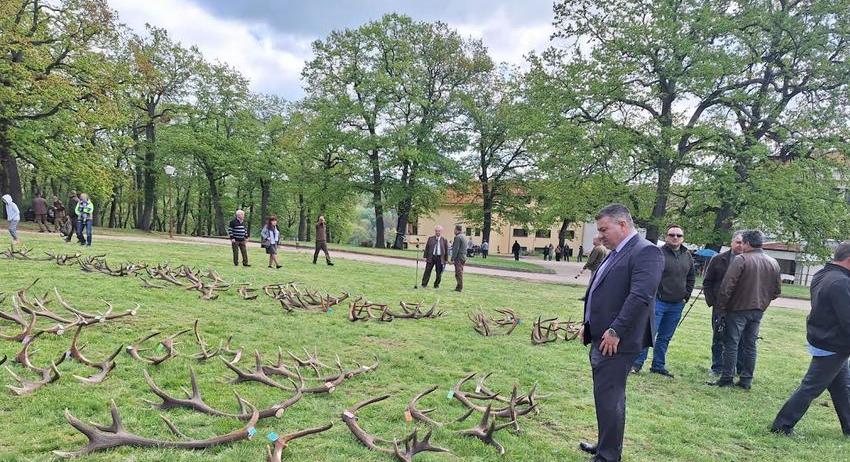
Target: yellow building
502, 234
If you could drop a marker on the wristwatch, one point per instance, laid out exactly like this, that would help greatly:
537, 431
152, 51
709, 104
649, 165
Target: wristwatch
613, 333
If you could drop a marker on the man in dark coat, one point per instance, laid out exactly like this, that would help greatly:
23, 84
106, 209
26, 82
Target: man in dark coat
458, 255
515, 249
71, 209
714, 272
39, 209
751, 282
618, 322
436, 256
828, 335
322, 241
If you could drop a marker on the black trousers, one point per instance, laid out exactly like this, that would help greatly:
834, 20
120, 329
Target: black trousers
717, 345
321, 246
237, 247
742, 330
609, 395
825, 373
433, 263
516, 256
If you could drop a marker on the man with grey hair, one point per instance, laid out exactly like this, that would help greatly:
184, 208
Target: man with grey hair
238, 233
714, 272
618, 322
828, 335
460, 244
436, 255
749, 285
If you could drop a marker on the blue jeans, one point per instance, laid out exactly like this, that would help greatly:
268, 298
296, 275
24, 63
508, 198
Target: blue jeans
88, 226
667, 316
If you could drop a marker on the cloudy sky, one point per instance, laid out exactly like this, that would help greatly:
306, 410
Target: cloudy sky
269, 40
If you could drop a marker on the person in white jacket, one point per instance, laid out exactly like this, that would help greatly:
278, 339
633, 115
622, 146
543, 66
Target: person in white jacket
14, 217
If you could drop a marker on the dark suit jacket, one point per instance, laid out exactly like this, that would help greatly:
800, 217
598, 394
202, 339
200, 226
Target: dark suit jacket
444, 248
624, 299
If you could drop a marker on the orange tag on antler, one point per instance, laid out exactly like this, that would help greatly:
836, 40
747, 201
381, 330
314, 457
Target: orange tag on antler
407, 417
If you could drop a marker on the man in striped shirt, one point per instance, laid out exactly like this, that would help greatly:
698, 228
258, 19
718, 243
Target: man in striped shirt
238, 233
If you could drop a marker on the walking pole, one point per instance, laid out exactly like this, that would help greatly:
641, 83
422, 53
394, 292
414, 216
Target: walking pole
689, 308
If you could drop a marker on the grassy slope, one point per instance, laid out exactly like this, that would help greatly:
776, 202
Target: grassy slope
679, 420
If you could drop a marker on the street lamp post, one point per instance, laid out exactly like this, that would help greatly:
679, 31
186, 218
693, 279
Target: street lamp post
170, 171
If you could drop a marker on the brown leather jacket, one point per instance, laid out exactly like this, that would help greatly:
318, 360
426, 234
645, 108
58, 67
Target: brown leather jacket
321, 233
751, 282
444, 248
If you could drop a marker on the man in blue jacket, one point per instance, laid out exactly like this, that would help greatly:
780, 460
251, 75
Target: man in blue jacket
828, 334
618, 322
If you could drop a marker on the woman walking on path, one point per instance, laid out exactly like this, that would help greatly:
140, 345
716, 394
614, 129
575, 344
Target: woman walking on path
270, 236
13, 215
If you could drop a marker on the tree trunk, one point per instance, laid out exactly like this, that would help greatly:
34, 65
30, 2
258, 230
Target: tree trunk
215, 199
302, 218
659, 210
10, 181
265, 195
113, 209
150, 174
377, 199
404, 206
487, 199
562, 233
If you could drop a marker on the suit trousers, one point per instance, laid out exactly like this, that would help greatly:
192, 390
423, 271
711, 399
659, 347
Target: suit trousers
435, 262
459, 273
41, 219
609, 394
237, 247
825, 373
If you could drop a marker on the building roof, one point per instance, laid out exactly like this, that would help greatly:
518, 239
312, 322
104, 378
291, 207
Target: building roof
780, 247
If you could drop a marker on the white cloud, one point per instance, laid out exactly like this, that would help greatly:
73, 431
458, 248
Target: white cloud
254, 49
505, 40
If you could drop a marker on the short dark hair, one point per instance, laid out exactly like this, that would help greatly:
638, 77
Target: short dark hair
459, 228
753, 237
842, 252
617, 212
669, 227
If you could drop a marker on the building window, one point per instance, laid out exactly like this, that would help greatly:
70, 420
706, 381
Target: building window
469, 231
520, 232
412, 229
547, 233
571, 235
477, 231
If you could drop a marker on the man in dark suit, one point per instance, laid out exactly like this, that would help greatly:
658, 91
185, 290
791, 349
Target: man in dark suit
618, 322
436, 256
460, 244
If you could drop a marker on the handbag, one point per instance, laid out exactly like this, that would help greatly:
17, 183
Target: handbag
264, 243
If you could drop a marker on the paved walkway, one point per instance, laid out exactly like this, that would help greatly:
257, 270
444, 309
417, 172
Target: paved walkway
565, 272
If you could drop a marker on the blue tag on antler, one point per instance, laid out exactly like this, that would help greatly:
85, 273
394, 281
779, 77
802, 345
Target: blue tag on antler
451, 394
251, 432
272, 436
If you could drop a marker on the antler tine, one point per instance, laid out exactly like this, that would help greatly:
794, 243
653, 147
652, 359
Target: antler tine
420, 415
485, 430
370, 441
282, 443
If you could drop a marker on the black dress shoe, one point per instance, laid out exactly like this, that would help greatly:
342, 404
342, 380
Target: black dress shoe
663, 372
782, 431
589, 448
634, 370
721, 383
745, 386
330, 264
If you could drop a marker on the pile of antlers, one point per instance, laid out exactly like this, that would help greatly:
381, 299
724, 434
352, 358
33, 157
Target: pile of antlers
552, 330
292, 298
486, 326
515, 406
363, 310
412, 444
64, 259
27, 310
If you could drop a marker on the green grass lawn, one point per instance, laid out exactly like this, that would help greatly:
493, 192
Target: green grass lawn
497, 262
788, 290
677, 420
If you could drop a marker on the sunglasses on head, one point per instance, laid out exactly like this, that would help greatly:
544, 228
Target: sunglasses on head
675, 235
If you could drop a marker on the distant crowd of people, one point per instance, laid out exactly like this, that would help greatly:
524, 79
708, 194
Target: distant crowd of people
74, 217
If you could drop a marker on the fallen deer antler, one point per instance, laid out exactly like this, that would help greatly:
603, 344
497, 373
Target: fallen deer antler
421, 415
105, 437
48, 374
547, 330
482, 393
195, 402
105, 366
411, 443
281, 443
204, 354
485, 429
167, 343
